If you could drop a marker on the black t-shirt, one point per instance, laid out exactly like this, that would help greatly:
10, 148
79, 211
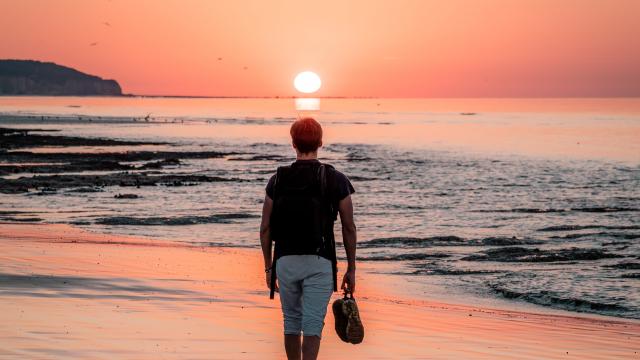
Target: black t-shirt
339, 187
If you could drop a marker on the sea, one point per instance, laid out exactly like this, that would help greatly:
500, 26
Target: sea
526, 201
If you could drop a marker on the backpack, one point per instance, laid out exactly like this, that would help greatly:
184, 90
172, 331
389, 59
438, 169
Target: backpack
302, 218
300, 210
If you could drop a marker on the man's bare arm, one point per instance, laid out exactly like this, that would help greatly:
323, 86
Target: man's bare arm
265, 238
349, 238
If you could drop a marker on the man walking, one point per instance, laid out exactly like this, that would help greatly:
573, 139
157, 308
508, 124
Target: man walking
301, 204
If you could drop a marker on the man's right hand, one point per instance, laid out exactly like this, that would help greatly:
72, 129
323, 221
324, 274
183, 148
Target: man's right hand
349, 238
268, 278
349, 281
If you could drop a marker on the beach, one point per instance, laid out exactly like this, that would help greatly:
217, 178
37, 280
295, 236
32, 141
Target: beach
68, 293
130, 235
477, 162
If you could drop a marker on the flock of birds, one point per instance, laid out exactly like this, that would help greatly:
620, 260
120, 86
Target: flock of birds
108, 24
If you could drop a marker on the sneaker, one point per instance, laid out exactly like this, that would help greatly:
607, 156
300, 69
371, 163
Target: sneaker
347, 320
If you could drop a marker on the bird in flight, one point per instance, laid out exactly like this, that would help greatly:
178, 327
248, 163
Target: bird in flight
93, 44
106, 23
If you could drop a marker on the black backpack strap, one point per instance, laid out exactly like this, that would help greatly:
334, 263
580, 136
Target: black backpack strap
328, 181
322, 179
272, 281
322, 173
275, 182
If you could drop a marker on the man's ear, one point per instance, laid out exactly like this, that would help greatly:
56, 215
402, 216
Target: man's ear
294, 145
320, 144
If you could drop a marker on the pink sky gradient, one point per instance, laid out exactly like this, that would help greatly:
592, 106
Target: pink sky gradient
493, 48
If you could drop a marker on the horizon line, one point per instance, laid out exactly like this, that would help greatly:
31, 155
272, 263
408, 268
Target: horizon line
373, 97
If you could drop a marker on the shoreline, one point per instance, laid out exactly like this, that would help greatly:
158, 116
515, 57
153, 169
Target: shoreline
65, 291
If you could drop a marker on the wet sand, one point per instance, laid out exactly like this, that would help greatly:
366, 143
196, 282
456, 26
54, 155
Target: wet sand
66, 293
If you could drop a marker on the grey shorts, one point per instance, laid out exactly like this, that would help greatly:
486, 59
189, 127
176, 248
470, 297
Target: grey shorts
306, 284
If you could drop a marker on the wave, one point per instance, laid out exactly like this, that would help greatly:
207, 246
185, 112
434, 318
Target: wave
605, 209
363, 178
413, 242
173, 221
600, 234
222, 244
520, 210
507, 241
355, 157
624, 266
20, 219
520, 254
549, 298
630, 276
584, 227
437, 269
453, 272
616, 243
417, 242
263, 157
404, 257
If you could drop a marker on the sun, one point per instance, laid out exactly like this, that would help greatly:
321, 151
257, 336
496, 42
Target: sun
307, 82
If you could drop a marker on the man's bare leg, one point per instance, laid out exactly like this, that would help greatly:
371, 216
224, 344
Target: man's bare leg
292, 346
310, 347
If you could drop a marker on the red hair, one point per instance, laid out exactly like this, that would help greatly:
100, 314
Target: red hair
306, 134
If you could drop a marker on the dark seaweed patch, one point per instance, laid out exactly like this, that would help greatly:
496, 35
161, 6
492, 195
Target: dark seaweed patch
20, 138
110, 158
53, 182
126, 196
86, 189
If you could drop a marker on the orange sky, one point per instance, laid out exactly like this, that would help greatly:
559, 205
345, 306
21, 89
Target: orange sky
453, 48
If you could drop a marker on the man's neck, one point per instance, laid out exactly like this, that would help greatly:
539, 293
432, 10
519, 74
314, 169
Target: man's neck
307, 156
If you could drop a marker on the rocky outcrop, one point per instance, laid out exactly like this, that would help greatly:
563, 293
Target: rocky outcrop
28, 77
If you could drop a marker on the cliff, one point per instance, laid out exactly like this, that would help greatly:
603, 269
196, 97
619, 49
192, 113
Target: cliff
28, 77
